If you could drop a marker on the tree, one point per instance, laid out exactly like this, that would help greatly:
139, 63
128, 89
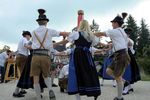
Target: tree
143, 39
131, 23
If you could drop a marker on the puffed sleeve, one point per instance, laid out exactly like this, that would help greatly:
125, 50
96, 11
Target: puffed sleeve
73, 36
95, 41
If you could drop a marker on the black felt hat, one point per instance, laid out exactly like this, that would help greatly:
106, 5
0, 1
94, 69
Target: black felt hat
120, 19
26, 33
42, 16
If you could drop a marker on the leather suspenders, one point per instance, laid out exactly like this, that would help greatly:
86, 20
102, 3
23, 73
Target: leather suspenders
41, 43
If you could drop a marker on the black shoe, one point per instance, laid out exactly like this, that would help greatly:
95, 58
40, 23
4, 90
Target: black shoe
18, 95
95, 97
126, 84
61, 90
116, 98
23, 92
42, 90
52, 95
54, 85
131, 90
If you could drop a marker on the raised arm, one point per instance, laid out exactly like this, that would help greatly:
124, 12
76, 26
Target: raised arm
64, 34
64, 42
98, 34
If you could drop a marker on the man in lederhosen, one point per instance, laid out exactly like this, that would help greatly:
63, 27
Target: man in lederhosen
121, 57
42, 46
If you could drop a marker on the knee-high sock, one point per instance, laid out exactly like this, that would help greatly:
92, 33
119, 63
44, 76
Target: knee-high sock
17, 90
52, 80
78, 97
48, 83
129, 86
120, 89
37, 91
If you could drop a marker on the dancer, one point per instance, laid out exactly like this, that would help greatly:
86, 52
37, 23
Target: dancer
22, 54
121, 57
82, 69
132, 73
42, 45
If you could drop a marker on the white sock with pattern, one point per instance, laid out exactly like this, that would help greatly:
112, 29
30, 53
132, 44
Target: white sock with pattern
17, 90
77, 97
120, 89
48, 83
37, 89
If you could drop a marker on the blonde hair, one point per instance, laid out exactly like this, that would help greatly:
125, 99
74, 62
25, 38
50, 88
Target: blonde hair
85, 30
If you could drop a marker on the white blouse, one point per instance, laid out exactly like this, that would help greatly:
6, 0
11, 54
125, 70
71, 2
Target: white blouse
75, 35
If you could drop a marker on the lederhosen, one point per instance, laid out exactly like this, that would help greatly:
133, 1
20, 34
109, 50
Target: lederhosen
25, 81
41, 59
120, 61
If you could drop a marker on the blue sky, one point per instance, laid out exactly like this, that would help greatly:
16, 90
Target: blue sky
19, 15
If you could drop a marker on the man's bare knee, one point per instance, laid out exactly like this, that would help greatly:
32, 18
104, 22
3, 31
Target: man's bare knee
118, 78
109, 71
36, 79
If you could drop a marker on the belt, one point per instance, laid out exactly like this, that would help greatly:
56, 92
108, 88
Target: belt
21, 55
42, 52
121, 51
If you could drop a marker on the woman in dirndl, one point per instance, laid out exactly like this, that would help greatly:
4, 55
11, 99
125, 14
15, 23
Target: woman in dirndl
83, 77
132, 73
26, 81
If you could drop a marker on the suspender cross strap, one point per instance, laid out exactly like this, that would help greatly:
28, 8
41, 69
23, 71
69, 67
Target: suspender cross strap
41, 43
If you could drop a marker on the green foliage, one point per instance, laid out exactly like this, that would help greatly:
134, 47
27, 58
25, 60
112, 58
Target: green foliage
143, 39
146, 51
131, 23
144, 64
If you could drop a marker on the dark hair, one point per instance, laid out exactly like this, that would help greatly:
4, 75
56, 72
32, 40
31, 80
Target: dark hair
26, 33
8, 51
128, 30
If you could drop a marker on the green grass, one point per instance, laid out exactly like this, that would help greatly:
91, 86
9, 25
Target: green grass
145, 77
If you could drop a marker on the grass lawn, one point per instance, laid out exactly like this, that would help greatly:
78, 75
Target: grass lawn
145, 77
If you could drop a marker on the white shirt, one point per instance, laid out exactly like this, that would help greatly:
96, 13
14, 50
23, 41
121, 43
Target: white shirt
119, 38
21, 49
3, 57
75, 35
40, 32
64, 71
131, 46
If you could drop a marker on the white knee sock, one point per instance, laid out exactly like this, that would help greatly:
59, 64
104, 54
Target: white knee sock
37, 91
120, 89
52, 80
17, 90
48, 83
129, 86
77, 97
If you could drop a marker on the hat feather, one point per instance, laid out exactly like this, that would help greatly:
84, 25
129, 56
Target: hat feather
124, 15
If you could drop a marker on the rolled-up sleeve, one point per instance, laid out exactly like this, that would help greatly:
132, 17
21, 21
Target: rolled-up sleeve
54, 33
